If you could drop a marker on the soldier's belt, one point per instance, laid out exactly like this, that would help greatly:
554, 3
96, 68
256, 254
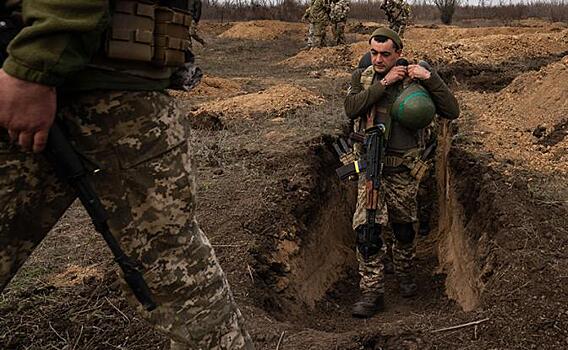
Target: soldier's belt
393, 164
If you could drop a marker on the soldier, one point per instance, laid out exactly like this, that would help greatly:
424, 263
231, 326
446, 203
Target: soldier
381, 89
195, 10
317, 14
339, 10
120, 119
397, 13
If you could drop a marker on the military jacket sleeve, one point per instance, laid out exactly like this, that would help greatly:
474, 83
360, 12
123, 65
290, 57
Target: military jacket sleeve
446, 103
359, 100
60, 38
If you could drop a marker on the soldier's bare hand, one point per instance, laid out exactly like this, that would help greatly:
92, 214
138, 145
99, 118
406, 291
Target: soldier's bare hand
395, 74
27, 111
418, 72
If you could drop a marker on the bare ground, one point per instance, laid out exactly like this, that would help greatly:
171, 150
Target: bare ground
263, 121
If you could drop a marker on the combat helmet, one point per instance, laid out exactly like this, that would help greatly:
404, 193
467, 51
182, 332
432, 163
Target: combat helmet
413, 108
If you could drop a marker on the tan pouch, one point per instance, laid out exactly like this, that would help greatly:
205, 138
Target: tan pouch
171, 36
131, 36
419, 170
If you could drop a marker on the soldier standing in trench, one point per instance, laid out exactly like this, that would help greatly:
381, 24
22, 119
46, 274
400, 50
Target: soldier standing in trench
376, 89
121, 121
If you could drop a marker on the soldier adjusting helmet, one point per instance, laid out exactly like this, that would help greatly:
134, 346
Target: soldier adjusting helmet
413, 108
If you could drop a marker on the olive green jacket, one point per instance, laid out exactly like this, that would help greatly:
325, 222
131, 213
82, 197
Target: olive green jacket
359, 101
58, 43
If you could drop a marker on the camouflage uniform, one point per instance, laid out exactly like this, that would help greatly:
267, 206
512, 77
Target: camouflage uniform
339, 9
139, 140
318, 16
397, 203
397, 13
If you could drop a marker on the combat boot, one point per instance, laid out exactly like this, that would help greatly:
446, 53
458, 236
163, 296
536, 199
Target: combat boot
368, 305
407, 287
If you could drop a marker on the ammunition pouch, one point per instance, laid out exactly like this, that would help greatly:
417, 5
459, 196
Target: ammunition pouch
409, 160
143, 32
420, 170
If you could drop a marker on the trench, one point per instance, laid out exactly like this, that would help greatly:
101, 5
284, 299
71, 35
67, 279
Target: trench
317, 273
312, 278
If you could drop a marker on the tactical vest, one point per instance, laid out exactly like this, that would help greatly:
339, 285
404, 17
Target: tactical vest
146, 38
400, 140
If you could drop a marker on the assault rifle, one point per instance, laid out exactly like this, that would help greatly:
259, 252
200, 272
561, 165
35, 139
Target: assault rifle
375, 146
70, 168
359, 166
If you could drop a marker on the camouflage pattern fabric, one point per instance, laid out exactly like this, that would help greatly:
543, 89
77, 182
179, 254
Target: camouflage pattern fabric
338, 31
372, 272
316, 35
397, 203
318, 16
397, 13
338, 12
146, 182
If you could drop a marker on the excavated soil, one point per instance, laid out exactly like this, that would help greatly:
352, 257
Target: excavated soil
491, 276
264, 30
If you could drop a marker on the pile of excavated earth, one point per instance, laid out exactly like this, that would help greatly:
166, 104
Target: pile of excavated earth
491, 274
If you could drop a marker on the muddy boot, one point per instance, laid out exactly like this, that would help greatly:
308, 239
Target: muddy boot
407, 287
368, 305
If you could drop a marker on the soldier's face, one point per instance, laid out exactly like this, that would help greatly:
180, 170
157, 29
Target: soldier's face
384, 55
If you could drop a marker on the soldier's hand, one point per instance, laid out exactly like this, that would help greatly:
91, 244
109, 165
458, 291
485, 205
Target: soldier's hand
395, 74
418, 72
27, 111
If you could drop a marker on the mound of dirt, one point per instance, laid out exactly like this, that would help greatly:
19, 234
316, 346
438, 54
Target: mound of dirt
210, 87
493, 49
533, 112
263, 30
452, 33
321, 57
274, 101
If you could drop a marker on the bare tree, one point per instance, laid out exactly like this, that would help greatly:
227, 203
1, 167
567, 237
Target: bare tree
447, 9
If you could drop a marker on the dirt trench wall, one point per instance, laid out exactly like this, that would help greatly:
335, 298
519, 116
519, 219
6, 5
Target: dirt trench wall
298, 267
468, 219
456, 251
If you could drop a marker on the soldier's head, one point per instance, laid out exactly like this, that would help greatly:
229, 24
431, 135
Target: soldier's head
386, 48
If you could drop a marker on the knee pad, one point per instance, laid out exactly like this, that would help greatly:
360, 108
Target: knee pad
369, 240
404, 233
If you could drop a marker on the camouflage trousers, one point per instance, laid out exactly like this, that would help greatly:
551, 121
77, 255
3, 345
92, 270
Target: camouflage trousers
338, 31
397, 204
139, 140
316, 34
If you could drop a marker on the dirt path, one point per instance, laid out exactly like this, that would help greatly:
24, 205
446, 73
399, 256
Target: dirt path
264, 119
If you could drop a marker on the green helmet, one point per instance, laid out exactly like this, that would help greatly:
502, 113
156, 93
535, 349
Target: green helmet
413, 108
